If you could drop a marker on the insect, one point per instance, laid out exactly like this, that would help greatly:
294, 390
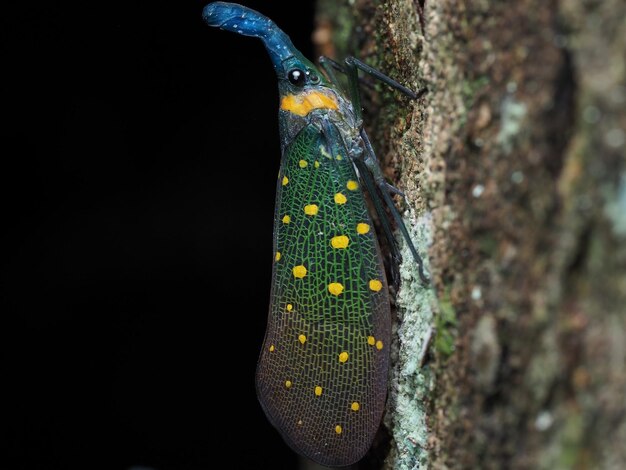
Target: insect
322, 372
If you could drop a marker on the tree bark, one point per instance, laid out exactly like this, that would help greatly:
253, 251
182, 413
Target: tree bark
514, 170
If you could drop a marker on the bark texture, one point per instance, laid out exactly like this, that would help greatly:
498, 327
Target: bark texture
514, 171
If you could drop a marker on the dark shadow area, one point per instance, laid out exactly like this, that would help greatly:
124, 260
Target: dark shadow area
138, 177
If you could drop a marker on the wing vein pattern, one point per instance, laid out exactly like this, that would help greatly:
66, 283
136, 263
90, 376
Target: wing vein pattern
322, 372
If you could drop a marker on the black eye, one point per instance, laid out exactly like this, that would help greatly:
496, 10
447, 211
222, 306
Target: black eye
296, 77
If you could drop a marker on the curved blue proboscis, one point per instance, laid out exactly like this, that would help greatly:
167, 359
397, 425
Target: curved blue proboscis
243, 20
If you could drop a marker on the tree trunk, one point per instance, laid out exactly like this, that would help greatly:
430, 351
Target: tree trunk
514, 173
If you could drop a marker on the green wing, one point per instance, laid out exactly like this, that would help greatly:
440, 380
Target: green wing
322, 372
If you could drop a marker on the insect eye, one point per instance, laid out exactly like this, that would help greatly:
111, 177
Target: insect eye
315, 79
296, 77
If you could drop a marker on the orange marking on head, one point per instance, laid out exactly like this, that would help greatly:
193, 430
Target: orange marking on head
305, 102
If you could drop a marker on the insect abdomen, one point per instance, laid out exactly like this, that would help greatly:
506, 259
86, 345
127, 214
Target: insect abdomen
322, 373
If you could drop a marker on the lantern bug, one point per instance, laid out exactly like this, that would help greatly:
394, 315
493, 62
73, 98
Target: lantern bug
322, 372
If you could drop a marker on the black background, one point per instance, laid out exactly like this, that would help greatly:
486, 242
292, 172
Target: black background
138, 174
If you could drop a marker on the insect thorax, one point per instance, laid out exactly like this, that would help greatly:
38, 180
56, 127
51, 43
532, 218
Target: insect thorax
319, 106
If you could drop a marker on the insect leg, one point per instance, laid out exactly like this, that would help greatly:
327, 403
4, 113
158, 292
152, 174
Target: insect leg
393, 190
352, 66
371, 188
375, 173
354, 63
329, 66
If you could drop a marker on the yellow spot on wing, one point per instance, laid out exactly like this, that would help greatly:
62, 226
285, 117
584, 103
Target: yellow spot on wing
340, 241
355, 406
371, 340
277, 257
318, 391
343, 357
288, 383
339, 157
305, 102
286, 219
338, 429
272, 348
285, 180
335, 288
375, 285
379, 345
302, 163
289, 307
352, 185
311, 209
299, 271
316, 164
362, 228
302, 339
340, 198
